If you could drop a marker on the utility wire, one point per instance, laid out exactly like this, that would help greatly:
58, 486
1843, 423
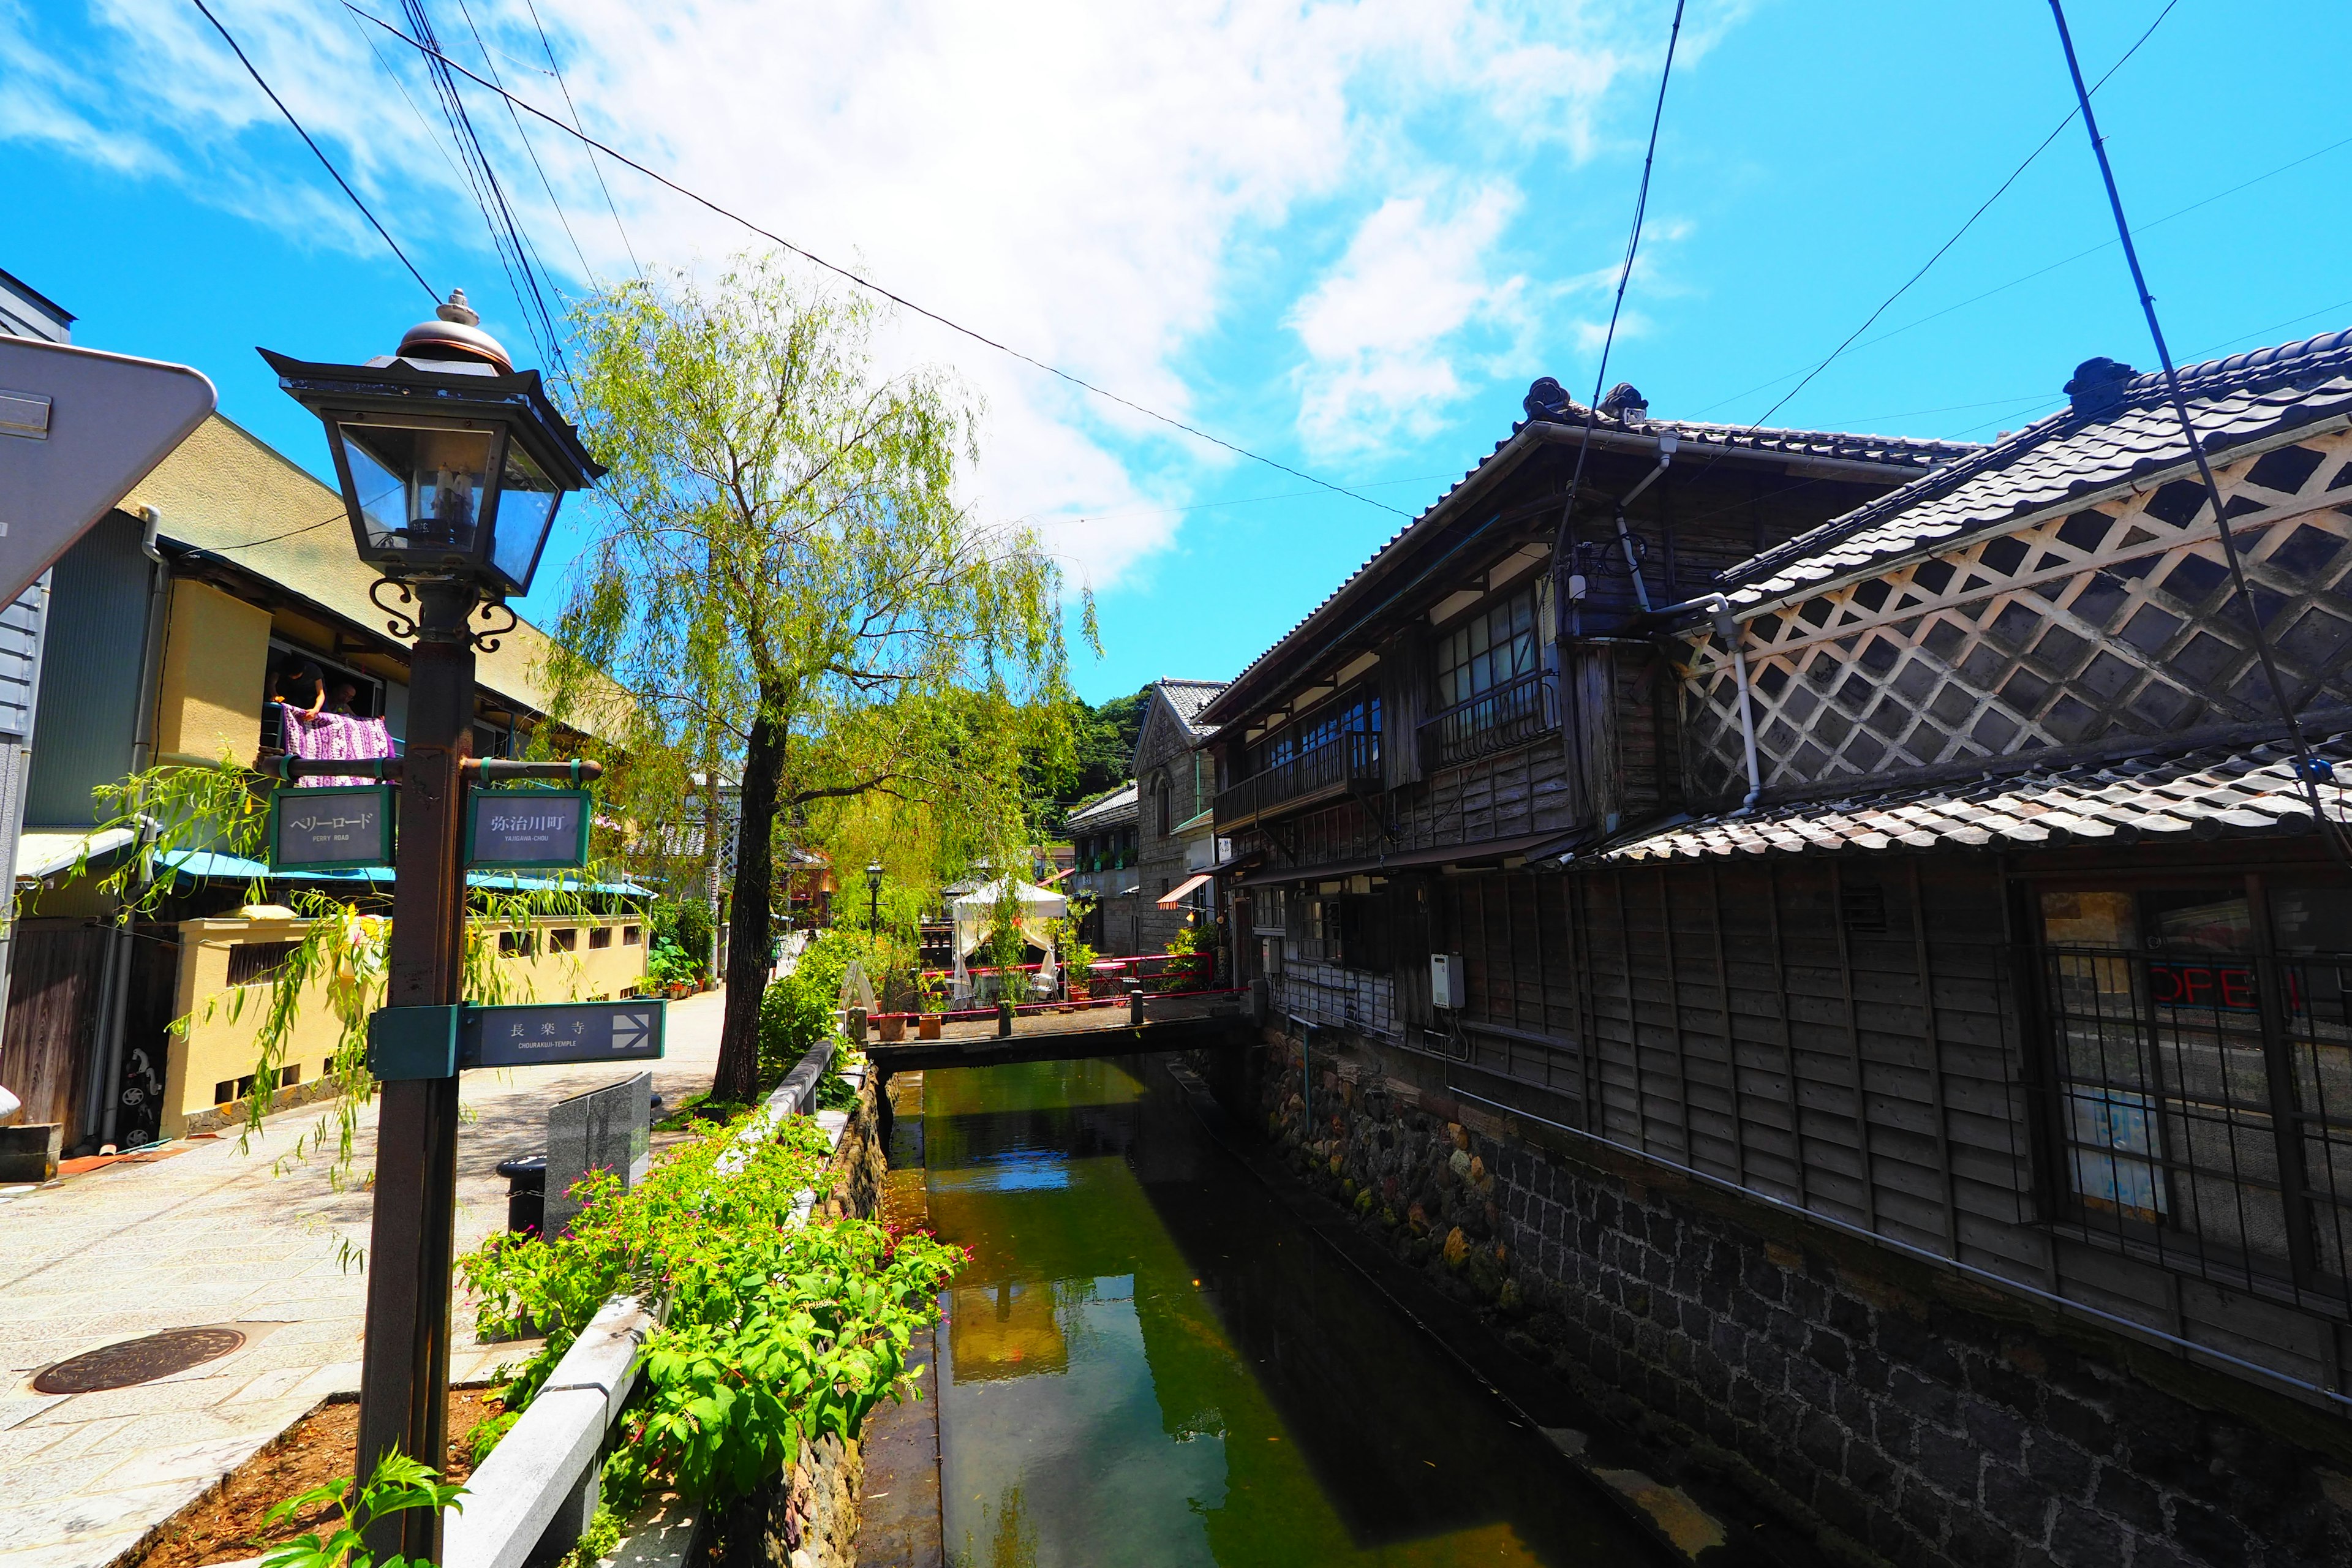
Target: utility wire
598, 169
532, 153
872, 287
2309, 769
1624, 277
323, 159
2002, 189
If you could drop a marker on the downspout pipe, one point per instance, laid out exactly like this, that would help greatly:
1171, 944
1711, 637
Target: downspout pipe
115, 988
1667, 441
1726, 627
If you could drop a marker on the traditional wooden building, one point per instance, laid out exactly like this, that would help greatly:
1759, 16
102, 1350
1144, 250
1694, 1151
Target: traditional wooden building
1176, 834
1895, 993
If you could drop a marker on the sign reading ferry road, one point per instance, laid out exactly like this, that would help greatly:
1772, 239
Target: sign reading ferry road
627, 1031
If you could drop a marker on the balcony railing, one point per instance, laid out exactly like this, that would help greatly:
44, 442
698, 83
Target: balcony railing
1345, 762
1496, 720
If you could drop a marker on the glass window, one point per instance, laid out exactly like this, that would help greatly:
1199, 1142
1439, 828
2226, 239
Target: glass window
526, 502
417, 486
1494, 647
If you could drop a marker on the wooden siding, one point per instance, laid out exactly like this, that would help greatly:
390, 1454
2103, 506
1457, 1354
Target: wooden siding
1847, 1039
52, 1008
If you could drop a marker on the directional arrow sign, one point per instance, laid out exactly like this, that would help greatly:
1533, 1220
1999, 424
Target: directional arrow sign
78, 429
562, 1032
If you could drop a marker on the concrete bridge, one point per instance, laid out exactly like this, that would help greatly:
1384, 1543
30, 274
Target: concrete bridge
1056, 1033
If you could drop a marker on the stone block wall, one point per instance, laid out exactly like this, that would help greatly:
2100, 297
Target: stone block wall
1895, 1412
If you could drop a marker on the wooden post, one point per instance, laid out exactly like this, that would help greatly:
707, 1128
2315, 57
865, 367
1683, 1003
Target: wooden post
405, 1363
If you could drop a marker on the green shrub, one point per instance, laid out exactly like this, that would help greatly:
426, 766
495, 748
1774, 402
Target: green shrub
776, 1334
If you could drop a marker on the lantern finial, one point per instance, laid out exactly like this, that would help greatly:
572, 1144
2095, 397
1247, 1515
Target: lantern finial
455, 334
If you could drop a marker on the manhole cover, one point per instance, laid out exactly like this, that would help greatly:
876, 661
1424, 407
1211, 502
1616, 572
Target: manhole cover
138, 1361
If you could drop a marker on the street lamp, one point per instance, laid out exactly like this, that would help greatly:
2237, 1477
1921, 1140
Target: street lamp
452, 465
874, 895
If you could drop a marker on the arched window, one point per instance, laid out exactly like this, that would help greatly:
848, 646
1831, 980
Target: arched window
1163, 803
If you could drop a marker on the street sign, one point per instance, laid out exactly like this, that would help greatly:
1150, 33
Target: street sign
436, 1042
338, 827
527, 828
562, 1032
78, 429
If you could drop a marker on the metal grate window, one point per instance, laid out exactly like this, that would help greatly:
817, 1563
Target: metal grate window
2203, 1078
259, 963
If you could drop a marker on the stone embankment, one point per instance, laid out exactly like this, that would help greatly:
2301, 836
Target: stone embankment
1888, 1411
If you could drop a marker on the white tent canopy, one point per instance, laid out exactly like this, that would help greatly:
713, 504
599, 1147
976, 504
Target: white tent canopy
972, 909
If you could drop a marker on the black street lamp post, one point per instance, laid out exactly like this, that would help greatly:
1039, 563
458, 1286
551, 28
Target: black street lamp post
874, 896
452, 465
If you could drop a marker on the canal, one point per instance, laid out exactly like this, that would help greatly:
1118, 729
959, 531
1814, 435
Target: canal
1150, 1362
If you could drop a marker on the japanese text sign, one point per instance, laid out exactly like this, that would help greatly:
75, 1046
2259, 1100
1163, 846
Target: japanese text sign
527, 828
337, 828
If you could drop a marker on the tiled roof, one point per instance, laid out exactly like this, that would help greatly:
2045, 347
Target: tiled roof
2234, 401
1699, 440
2209, 791
1111, 806
1186, 699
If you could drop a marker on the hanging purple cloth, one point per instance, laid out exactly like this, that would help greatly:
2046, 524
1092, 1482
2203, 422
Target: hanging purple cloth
336, 738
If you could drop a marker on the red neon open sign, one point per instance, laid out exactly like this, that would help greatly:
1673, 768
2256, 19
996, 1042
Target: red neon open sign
2226, 986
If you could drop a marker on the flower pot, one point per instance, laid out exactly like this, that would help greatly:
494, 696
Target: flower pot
892, 1028
1079, 992
926, 1027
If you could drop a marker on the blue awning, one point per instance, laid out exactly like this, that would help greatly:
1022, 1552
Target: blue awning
212, 866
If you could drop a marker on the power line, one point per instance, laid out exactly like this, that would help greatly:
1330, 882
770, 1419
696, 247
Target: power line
2309, 769
2052, 267
875, 289
532, 153
1982, 207
322, 157
594, 167
1624, 277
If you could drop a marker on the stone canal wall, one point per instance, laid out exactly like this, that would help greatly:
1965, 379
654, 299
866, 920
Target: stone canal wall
1893, 1411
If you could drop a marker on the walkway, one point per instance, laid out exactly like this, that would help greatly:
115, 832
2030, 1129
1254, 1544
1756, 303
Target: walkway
210, 1237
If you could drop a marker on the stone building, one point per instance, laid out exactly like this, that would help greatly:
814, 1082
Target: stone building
1176, 787
1102, 834
1870, 1006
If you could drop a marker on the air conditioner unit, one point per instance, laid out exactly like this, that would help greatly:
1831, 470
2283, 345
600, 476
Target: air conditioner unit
1448, 980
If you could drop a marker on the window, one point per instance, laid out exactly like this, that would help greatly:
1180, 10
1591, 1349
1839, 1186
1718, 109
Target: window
602, 936
1490, 691
517, 943
632, 936
566, 940
1492, 649
1161, 798
1342, 734
232, 1088
259, 963
2182, 1037
288, 1077
1271, 909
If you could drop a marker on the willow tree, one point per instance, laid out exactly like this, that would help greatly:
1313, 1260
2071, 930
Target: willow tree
787, 584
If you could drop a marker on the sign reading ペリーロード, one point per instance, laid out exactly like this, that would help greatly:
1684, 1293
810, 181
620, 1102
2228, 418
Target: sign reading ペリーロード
527, 828
335, 828
562, 1032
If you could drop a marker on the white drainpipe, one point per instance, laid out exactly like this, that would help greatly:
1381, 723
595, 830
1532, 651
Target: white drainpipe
1727, 630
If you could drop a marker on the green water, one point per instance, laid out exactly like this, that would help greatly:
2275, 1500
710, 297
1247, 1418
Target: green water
1150, 1361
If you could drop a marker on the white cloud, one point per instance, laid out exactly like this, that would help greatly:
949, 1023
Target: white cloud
1094, 184
1382, 328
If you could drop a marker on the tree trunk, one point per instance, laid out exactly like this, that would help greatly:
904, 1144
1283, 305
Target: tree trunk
738, 1078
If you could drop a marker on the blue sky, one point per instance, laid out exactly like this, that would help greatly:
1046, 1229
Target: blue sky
1346, 236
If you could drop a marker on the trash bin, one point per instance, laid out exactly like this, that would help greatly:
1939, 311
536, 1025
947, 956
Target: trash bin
526, 1193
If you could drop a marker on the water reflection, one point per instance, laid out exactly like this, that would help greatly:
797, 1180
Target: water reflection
1149, 1364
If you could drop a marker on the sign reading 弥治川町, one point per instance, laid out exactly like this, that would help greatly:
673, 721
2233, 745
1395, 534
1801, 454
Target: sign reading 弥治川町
562, 1032
527, 828
337, 829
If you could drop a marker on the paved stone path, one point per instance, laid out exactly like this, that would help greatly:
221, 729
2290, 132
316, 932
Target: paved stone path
211, 1237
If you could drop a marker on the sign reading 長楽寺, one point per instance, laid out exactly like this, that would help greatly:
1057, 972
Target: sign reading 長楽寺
520, 828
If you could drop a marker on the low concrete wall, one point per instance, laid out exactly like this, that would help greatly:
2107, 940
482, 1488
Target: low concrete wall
217, 1050
1892, 1411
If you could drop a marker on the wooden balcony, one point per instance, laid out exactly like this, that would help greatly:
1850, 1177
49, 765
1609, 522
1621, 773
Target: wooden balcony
1346, 764
1495, 721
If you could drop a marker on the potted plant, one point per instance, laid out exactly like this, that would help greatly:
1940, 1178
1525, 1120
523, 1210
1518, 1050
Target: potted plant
931, 1003
1079, 966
